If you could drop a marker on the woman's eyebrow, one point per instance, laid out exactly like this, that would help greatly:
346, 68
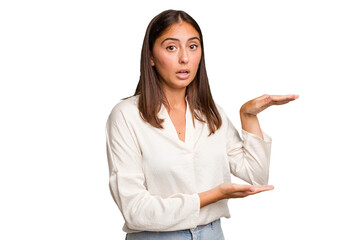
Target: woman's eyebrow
175, 39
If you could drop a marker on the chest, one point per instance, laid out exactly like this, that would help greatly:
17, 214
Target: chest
165, 154
178, 120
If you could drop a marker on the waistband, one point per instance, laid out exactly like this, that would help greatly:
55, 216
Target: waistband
211, 223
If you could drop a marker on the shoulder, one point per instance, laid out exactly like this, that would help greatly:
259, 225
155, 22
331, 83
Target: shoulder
220, 110
125, 109
224, 117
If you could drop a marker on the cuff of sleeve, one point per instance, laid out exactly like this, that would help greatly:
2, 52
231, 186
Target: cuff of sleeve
196, 211
246, 135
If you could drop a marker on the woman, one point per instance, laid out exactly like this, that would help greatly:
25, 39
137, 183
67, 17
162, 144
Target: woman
171, 149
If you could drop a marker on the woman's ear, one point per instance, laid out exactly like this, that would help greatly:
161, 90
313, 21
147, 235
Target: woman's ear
152, 61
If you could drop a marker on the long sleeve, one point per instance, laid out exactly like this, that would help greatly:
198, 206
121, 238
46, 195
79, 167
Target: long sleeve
249, 158
141, 210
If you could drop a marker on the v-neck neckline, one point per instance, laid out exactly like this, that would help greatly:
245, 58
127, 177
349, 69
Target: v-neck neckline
170, 127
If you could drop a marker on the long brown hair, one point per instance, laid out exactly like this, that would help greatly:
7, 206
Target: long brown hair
149, 88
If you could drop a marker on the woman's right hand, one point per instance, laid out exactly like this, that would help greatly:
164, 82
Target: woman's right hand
233, 190
230, 190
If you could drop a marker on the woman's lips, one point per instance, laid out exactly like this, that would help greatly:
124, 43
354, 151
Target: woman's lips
183, 74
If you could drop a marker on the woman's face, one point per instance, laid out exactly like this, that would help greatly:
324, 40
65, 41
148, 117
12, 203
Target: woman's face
176, 55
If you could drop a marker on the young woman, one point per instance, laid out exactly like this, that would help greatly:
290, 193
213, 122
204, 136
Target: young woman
171, 148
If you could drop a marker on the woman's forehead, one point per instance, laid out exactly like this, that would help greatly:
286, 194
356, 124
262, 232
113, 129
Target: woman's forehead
180, 30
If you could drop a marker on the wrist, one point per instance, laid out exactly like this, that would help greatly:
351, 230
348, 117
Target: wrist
210, 196
219, 195
250, 123
246, 116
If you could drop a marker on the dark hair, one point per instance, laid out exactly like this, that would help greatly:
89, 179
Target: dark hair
150, 89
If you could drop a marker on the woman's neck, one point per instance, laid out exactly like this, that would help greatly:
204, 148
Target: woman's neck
176, 99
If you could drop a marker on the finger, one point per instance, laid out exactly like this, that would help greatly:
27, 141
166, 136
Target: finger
283, 99
280, 102
262, 188
289, 97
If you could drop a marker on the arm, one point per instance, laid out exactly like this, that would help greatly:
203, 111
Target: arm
230, 190
141, 210
250, 123
249, 158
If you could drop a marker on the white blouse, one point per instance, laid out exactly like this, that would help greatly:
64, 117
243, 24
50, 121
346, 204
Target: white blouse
155, 177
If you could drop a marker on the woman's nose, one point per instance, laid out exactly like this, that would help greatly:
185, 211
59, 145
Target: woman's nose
183, 56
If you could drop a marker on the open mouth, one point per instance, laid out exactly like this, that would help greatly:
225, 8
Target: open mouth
183, 74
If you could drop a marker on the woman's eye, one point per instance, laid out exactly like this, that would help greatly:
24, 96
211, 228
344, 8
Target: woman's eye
193, 47
171, 48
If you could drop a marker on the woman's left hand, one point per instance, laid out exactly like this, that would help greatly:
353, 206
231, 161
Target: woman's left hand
257, 105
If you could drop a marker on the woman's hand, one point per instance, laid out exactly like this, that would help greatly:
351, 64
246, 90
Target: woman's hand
250, 109
230, 190
233, 190
257, 105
